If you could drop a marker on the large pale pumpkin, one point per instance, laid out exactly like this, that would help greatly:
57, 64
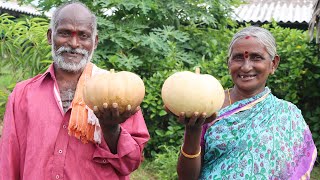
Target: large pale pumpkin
192, 92
124, 88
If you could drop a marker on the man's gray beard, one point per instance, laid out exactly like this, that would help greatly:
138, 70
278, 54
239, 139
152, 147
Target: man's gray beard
60, 63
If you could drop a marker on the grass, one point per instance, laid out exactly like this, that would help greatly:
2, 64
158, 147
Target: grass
315, 174
143, 174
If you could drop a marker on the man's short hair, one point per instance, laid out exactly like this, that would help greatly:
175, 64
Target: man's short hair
54, 20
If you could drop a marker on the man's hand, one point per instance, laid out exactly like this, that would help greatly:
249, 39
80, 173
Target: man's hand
109, 115
110, 120
196, 120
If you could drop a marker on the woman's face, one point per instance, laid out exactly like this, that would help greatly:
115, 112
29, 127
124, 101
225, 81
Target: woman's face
250, 65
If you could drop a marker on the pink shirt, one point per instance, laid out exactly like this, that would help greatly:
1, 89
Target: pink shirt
36, 145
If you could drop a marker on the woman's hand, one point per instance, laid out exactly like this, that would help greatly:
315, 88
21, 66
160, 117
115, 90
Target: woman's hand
196, 120
190, 168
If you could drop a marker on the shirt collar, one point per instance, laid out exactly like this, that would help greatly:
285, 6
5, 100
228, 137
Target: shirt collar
49, 73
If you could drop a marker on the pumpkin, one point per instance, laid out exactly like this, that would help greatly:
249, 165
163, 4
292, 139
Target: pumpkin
124, 88
192, 92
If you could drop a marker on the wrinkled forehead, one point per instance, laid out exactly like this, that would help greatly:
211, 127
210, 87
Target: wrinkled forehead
248, 44
75, 23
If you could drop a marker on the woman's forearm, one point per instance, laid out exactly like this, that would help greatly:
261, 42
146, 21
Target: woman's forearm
189, 168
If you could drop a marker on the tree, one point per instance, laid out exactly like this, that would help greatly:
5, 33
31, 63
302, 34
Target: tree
24, 52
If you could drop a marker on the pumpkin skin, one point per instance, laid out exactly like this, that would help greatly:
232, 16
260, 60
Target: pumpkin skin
192, 92
124, 88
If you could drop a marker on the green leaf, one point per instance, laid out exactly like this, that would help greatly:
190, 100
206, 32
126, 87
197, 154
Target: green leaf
162, 113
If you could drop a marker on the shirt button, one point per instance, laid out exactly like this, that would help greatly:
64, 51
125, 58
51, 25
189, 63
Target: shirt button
57, 176
104, 161
64, 127
60, 151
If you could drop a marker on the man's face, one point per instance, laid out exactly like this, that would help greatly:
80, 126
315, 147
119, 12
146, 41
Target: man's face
72, 39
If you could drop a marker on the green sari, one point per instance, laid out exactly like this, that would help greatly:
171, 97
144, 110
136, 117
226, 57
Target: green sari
262, 137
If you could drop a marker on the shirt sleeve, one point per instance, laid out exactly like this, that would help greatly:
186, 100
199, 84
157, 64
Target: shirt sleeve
132, 139
9, 147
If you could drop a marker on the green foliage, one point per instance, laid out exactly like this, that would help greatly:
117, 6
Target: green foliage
312, 116
296, 53
143, 172
164, 164
315, 173
154, 39
24, 52
3, 99
164, 128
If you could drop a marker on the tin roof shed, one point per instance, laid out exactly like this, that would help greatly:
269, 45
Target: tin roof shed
14, 8
286, 12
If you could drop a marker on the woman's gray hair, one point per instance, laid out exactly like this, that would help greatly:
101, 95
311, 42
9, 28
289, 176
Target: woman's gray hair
264, 37
54, 20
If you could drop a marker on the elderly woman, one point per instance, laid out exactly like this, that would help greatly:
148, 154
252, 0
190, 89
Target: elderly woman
255, 135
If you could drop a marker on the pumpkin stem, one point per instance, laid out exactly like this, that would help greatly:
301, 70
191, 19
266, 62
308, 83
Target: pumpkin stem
197, 70
111, 70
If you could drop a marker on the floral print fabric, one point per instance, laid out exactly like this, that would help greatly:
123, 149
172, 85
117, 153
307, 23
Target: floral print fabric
268, 141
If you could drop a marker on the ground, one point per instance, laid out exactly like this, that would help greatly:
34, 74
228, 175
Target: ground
142, 174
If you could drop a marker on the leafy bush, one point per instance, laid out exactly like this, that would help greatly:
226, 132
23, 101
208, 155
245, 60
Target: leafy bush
146, 37
164, 165
24, 52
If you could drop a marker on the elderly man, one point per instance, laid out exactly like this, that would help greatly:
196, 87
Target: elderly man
38, 142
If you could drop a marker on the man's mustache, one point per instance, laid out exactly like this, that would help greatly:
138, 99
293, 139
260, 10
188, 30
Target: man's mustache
64, 49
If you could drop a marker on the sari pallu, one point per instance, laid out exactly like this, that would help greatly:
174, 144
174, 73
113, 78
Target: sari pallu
261, 137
